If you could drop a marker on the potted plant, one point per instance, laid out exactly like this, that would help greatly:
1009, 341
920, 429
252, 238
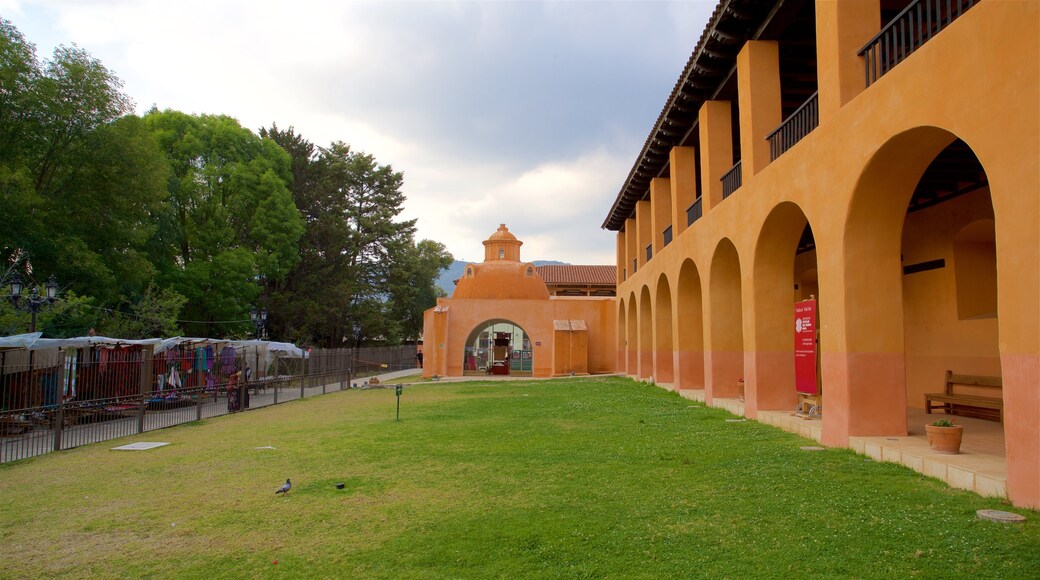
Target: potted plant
944, 436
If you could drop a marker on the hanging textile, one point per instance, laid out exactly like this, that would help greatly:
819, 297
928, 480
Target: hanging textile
227, 360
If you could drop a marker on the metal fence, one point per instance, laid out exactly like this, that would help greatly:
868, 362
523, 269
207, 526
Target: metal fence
908, 31
60, 399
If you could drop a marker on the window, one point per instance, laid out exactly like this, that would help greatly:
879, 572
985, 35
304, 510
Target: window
649, 252
530, 271
635, 263
469, 272
668, 235
501, 253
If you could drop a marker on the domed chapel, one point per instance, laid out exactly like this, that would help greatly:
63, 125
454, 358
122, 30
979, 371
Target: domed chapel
502, 319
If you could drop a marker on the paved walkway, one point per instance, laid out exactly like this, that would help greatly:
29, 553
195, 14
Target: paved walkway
981, 466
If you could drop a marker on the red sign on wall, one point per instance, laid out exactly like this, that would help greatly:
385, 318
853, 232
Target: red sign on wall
805, 347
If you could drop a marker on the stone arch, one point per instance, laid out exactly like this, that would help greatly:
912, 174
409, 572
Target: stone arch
482, 354
646, 335
664, 361
888, 254
725, 351
632, 338
770, 384
690, 328
622, 336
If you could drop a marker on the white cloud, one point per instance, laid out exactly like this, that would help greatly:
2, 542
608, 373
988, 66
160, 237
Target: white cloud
527, 113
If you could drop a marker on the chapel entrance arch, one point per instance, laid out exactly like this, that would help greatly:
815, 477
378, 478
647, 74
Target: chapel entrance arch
498, 347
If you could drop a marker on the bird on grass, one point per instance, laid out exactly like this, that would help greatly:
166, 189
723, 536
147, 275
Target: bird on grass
285, 488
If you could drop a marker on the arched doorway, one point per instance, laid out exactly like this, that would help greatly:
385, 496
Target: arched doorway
646, 335
632, 338
785, 272
622, 337
922, 211
664, 359
498, 347
725, 358
690, 328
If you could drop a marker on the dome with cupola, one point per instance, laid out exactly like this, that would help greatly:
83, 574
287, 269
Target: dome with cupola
502, 275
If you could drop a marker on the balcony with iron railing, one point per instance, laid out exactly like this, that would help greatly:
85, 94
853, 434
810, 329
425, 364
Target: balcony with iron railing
694, 212
907, 32
796, 126
731, 181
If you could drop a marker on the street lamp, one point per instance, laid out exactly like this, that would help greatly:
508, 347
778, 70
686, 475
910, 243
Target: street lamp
356, 328
32, 303
259, 321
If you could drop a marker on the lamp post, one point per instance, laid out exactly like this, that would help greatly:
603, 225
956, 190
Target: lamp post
33, 303
259, 321
356, 328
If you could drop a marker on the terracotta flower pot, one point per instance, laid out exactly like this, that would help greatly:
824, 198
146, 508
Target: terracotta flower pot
945, 439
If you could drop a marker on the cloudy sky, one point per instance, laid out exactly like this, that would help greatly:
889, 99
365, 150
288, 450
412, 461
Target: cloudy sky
524, 113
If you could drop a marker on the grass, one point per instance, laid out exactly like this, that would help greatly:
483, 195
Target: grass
567, 478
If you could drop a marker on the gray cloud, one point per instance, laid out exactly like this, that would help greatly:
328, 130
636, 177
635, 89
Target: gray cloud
528, 113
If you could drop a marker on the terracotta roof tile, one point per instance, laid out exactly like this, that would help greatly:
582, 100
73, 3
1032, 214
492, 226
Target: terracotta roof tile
584, 275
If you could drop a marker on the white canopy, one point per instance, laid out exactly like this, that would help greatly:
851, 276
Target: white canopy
20, 340
34, 341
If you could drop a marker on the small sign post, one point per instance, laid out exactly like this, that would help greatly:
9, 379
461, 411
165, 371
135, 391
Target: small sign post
399, 388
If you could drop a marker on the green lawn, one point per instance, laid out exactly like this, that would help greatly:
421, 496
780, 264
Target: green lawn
566, 478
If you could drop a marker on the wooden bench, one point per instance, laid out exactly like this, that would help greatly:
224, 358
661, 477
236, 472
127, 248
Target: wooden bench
980, 406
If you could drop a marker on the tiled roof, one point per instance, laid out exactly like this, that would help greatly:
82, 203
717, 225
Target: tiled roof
731, 24
583, 275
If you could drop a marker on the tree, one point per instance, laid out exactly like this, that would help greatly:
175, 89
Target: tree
412, 286
230, 225
358, 263
80, 178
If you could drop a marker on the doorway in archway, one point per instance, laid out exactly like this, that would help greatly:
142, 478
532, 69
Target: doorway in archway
498, 348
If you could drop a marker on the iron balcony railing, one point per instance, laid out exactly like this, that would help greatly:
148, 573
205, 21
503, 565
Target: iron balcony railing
694, 212
799, 124
913, 27
731, 181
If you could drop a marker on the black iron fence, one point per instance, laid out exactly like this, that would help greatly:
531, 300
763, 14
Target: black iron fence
907, 32
731, 181
694, 212
796, 126
60, 399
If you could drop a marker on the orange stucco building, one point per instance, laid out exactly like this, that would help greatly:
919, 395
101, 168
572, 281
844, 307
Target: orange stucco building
502, 320
882, 156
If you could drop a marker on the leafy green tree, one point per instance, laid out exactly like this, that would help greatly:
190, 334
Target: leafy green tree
412, 285
154, 315
230, 225
359, 263
80, 179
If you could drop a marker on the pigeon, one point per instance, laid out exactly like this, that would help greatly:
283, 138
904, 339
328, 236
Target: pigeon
285, 488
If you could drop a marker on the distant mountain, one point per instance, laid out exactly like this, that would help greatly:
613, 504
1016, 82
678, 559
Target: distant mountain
458, 267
